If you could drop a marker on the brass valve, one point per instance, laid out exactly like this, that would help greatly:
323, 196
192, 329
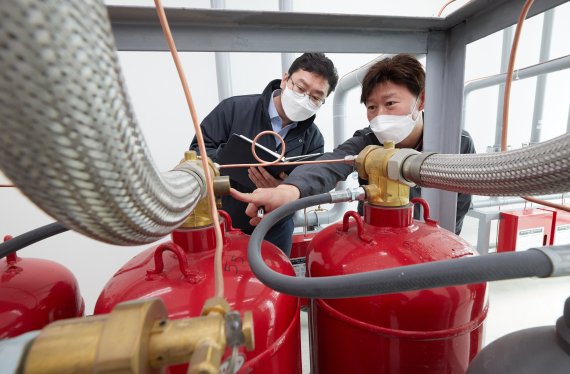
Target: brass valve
372, 165
201, 216
136, 337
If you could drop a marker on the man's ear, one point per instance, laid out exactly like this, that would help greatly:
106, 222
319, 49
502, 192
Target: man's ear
284, 81
422, 101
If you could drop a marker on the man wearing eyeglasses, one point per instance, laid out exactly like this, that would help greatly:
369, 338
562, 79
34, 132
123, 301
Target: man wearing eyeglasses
288, 107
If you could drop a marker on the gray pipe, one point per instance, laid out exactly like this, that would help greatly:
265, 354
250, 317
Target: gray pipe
69, 138
286, 58
345, 84
568, 121
550, 66
502, 201
28, 238
286, 61
538, 110
505, 54
13, 351
543, 262
223, 64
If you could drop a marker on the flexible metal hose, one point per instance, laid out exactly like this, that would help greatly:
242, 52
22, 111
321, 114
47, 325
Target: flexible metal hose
539, 169
69, 139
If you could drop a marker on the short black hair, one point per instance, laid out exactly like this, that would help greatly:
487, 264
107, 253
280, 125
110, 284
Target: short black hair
401, 69
316, 63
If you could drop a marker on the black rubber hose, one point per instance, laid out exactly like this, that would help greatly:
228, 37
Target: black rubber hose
30, 237
464, 270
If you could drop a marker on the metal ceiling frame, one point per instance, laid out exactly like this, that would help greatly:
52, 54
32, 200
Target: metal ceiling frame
222, 30
443, 40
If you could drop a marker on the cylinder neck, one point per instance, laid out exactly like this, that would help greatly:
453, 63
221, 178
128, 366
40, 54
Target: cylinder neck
401, 216
200, 239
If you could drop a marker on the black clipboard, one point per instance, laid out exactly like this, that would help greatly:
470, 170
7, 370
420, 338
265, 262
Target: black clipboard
238, 151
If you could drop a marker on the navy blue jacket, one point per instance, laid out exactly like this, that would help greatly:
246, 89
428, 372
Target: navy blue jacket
247, 115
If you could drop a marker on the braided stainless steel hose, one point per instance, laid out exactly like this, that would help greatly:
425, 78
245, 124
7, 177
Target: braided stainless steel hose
539, 169
68, 135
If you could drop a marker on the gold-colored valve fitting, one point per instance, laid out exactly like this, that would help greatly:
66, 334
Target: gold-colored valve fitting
136, 337
115, 342
206, 358
217, 305
190, 156
247, 328
372, 165
208, 354
222, 185
201, 215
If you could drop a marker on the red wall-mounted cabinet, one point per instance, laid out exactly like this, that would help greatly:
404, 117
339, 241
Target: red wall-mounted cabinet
524, 229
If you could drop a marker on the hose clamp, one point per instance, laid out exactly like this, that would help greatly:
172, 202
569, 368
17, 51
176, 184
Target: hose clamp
233, 328
412, 165
196, 171
349, 194
559, 257
395, 165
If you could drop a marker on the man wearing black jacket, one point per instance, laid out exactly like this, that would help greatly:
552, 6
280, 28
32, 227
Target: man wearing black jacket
393, 93
286, 106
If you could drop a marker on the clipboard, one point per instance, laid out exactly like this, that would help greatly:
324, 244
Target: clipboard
238, 151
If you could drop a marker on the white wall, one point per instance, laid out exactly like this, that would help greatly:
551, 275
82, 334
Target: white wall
163, 116
484, 59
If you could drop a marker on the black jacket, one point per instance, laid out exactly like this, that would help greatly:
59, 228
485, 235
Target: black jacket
315, 179
247, 115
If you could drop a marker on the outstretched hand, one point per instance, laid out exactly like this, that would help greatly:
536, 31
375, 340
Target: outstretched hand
268, 198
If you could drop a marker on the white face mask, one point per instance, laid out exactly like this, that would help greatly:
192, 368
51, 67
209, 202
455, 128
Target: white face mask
297, 107
396, 128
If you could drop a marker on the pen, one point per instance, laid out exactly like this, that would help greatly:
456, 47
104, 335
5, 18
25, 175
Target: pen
260, 212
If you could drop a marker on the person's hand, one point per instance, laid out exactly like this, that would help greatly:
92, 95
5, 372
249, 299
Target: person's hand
262, 179
268, 198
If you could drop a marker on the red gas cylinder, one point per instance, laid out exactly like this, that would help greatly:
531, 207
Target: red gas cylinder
181, 273
427, 331
34, 293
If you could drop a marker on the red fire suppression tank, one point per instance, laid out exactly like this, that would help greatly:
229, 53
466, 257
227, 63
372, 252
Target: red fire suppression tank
427, 331
34, 293
181, 273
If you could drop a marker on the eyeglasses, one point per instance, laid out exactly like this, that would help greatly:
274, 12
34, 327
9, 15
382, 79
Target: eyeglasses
315, 100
